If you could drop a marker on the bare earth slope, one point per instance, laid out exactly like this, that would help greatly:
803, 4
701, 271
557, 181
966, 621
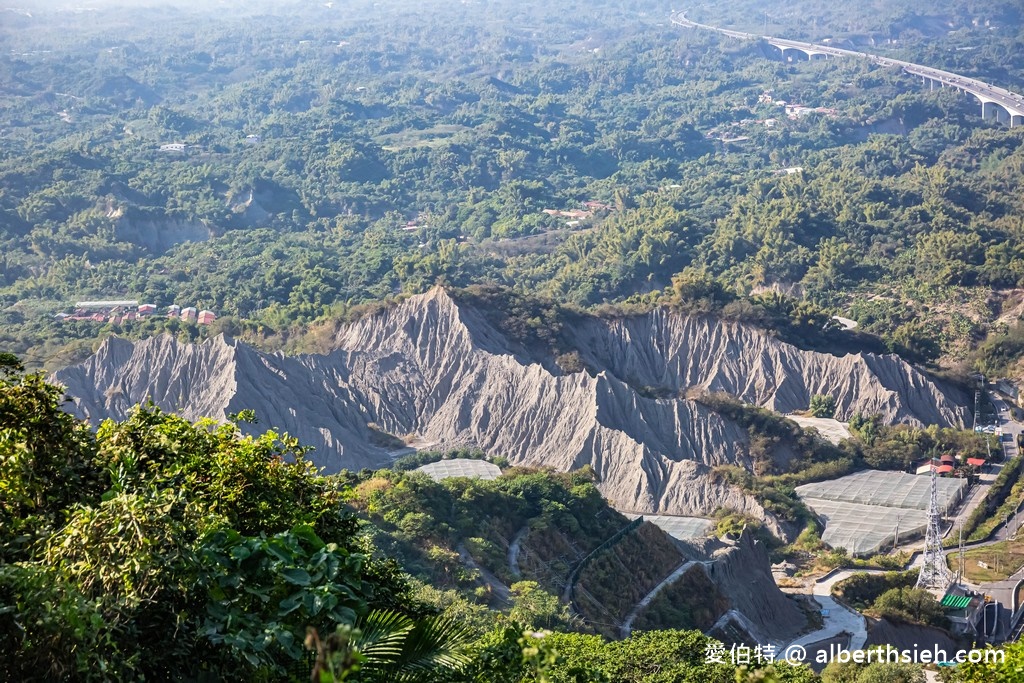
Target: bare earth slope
670, 351
433, 369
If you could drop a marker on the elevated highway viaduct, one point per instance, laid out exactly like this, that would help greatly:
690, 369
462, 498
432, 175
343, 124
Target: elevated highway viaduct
996, 103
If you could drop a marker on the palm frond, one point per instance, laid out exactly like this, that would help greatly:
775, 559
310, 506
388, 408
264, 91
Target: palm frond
397, 649
382, 635
433, 644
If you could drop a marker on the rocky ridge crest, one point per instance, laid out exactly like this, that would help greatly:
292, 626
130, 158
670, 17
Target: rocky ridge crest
438, 373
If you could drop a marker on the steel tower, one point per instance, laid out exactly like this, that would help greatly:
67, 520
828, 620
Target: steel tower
934, 574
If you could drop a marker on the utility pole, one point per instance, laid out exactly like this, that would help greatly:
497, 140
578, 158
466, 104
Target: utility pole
960, 554
977, 406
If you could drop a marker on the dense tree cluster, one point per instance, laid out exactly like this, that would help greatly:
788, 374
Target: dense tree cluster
331, 157
156, 547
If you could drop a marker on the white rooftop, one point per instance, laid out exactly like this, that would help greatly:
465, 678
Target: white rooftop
460, 467
866, 529
890, 489
101, 304
863, 511
682, 528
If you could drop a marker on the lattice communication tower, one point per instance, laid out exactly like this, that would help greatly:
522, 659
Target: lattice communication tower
935, 574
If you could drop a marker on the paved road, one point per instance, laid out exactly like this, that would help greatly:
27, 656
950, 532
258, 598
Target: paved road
627, 625
974, 498
1011, 428
500, 590
838, 618
1008, 441
1010, 101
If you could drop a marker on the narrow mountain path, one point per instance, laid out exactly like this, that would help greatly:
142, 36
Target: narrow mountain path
513, 552
500, 589
627, 625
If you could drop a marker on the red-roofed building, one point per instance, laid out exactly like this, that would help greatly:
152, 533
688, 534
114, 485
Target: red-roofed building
976, 462
944, 469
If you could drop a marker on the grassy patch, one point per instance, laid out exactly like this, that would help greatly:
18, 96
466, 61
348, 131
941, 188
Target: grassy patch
410, 138
1001, 560
382, 439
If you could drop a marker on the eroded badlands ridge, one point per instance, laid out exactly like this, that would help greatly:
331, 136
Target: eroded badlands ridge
437, 371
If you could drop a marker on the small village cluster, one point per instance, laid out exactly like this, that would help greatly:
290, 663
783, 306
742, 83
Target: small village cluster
733, 131
948, 465
117, 312
796, 111
580, 214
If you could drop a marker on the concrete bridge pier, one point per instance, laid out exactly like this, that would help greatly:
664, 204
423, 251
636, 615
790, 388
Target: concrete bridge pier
1016, 120
989, 110
793, 53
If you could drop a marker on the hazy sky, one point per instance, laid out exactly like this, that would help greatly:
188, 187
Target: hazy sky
203, 4
197, 4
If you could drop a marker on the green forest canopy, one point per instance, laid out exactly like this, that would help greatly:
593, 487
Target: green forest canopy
335, 157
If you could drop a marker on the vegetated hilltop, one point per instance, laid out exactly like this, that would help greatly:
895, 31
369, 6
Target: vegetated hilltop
441, 374
163, 550
483, 538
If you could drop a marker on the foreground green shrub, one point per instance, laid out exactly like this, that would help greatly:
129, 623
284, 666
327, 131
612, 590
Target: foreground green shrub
159, 549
